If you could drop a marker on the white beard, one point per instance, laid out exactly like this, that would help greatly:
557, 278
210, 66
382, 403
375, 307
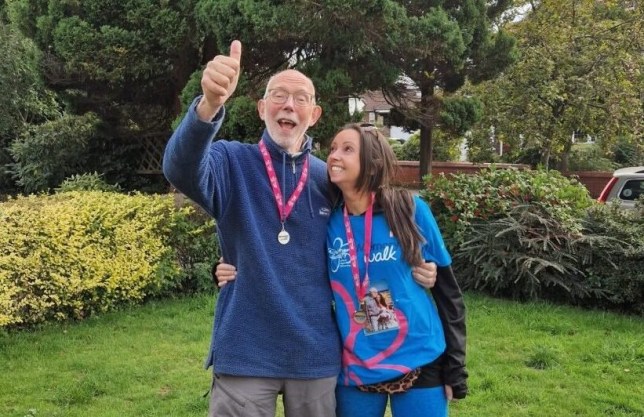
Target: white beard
285, 143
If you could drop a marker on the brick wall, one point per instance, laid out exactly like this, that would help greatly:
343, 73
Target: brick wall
408, 170
593, 180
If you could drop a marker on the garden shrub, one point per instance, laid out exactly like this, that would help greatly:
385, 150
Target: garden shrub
445, 147
196, 247
628, 152
73, 254
529, 254
589, 157
537, 235
410, 150
459, 199
87, 182
623, 282
47, 153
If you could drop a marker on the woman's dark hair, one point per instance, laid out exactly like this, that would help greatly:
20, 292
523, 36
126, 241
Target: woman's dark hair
382, 301
377, 171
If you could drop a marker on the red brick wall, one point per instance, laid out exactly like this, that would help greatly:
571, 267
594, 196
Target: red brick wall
408, 170
408, 173
593, 180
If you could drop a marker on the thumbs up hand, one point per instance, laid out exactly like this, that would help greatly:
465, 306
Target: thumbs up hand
219, 81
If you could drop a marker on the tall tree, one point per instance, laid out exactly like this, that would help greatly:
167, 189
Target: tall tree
323, 39
350, 46
23, 97
438, 45
126, 61
580, 70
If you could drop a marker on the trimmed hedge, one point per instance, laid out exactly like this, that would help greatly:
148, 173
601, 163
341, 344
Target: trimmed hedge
70, 255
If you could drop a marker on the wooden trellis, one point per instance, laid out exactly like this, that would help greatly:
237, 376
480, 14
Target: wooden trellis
152, 154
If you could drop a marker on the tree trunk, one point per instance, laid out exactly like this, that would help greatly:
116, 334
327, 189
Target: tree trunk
565, 156
545, 157
426, 151
426, 132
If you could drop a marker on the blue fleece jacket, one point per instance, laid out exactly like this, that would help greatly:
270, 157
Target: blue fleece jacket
276, 319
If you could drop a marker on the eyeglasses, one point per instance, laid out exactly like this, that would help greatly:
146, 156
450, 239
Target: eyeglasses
279, 96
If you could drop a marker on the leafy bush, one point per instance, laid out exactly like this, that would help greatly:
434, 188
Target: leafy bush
589, 157
445, 148
459, 199
24, 99
242, 123
481, 148
537, 235
628, 152
622, 280
87, 182
73, 254
48, 153
195, 245
529, 254
410, 150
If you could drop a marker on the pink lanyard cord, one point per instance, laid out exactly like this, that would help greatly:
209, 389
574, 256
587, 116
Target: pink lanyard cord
284, 211
360, 285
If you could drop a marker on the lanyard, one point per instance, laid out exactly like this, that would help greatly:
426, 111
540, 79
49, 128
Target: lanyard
361, 287
283, 211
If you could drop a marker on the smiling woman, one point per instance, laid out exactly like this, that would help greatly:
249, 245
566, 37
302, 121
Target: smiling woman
393, 336
343, 164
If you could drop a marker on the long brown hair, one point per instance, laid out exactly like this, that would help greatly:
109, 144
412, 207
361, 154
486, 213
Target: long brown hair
377, 170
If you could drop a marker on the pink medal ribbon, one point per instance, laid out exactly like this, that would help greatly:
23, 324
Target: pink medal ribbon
283, 236
361, 286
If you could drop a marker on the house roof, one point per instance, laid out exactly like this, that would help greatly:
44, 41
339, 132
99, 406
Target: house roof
375, 101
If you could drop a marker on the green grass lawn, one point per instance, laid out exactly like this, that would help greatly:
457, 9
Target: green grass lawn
524, 360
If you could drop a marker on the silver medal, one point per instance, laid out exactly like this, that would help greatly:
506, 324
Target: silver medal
283, 237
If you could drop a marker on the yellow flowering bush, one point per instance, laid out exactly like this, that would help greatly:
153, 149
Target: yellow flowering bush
72, 254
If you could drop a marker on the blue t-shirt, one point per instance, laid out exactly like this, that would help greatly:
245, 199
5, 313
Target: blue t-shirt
400, 329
